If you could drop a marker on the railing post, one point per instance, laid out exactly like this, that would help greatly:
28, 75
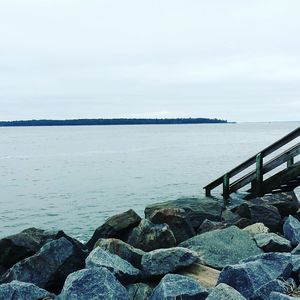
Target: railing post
290, 162
208, 192
259, 174
226, 186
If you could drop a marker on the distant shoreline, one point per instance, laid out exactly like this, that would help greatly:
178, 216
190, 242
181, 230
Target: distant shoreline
108, 122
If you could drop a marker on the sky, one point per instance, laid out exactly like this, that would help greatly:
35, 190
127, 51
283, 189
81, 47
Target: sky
235, 60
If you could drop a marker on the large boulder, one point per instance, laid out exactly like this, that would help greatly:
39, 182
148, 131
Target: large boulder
17, 290
272, 242
287, 203
163, 261
121, 268
178, 221
197, 209
276, 285
96, 283
174, 286
261, 213
117, 226
224, 292
148, 236
223, 247
21, 245
251, 274
291, 230
208, 225
139, 291
256, 229
49, 267
122, 249
26, 243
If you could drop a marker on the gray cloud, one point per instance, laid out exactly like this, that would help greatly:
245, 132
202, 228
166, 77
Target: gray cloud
73, 59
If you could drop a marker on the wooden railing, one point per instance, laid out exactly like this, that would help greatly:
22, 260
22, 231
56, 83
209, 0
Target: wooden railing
255, 177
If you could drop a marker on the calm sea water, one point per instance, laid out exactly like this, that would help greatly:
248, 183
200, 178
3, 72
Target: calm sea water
73, 178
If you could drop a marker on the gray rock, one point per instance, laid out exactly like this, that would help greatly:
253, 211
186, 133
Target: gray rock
291, 230
197, 209
17, 290
271, 242
21, 245
117, 226
263, 213
174, 286
122, 249
224, 292
279, 296
231, 218
96, 284
286, 203
121, 268
139, 291
178, 221
49, 267
163, 261
148, 236
208, 225
223, 247
251, 274
256, 229
263, 293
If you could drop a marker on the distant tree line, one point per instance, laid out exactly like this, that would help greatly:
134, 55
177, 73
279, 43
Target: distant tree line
121, 121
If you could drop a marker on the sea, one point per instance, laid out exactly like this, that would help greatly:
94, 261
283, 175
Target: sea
74, 178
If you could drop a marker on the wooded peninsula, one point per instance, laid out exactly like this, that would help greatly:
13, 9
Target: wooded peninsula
119, 121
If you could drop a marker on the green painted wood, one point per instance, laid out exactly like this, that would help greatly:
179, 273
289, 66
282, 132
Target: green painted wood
226, 186
259, 174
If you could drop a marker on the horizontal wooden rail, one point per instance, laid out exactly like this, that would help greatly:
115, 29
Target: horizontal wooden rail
260, 168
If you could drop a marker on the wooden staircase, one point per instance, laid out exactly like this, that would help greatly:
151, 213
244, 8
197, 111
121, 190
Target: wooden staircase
284, 180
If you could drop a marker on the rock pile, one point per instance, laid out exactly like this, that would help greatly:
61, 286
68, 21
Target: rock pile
184, 249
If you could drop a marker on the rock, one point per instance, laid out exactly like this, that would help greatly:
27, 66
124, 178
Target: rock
49, 267
121, 268
271, 242
224, 292
291, 230
275, 285
197, 209
117, 226
21, 245
96, 283
206, 276
163, 261
148, 236
139, 291
178, 221
286, 203
264, 213
17, 290
256, 229
251, 274
279, 296
120, 248
231, 218
208, 225
222, 247
174, 286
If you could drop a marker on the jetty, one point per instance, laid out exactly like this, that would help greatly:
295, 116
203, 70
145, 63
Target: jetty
286, 179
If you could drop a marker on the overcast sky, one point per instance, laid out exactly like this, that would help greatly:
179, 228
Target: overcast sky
235, 59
